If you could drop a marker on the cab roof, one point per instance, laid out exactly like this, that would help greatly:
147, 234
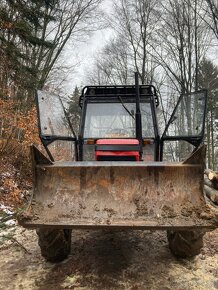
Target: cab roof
113, 93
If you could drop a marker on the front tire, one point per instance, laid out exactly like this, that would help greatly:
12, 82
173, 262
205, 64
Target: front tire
185, 244
55, 244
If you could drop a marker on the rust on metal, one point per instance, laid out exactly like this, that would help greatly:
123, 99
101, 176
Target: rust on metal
136, 195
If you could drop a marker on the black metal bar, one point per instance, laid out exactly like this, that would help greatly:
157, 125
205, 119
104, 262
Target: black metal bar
110, 91
48, 139
81, 129
138, 117
161, 150
38, 113
117, 93
153, 103
117, 147
157, 102
157, 149
117, 158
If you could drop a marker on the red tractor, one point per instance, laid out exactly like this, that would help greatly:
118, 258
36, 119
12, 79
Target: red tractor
112, 175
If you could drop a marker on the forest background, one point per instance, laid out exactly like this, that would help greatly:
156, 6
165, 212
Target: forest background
172, 44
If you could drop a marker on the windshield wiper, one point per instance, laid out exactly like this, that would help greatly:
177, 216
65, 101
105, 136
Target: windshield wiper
128, 111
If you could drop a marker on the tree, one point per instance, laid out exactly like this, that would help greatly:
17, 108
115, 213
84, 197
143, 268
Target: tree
135, 22
33, 35
212, 9
111, 64
36, 34
74, 18
208, 79
19, 19
181, 43
74, 110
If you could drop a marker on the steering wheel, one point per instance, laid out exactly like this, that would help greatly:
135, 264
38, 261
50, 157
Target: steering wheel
117, 132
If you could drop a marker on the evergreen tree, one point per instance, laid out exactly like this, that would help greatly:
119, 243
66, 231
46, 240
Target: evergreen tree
33, 35
19, 21
74, 110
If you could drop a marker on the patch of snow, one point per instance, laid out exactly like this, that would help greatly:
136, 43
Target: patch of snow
6, 209
6, 174
11, 222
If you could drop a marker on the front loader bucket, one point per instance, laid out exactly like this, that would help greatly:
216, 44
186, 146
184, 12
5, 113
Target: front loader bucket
138, 195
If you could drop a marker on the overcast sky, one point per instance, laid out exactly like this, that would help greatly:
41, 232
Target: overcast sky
84, 52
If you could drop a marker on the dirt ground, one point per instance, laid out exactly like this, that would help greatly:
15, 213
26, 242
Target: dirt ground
107, 260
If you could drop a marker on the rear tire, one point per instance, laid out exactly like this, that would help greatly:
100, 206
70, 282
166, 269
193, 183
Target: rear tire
185, 244
54, 244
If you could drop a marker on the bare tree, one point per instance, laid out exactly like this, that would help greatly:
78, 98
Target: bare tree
212, 8
73, 18
135, 21
111, 65
182, 42
34, 36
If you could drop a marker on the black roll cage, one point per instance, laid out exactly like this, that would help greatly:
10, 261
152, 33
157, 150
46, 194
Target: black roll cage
111, 94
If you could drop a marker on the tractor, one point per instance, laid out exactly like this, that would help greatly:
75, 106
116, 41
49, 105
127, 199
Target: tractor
112, 173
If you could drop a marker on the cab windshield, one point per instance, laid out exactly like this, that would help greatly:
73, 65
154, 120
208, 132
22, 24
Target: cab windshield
115, 120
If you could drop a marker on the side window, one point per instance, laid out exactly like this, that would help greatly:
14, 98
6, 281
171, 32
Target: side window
188, 117
185, 129
52, 118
